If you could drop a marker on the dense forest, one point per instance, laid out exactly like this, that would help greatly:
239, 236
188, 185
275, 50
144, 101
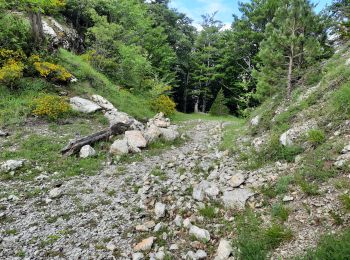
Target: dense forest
147, 47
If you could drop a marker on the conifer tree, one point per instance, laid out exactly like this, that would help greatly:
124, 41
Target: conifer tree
292, 42
219, 107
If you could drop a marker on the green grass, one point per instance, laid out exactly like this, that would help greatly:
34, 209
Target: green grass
255, 242
345, 200
208, 212
316, 137
15, 106
280, 212
44, 151
180, 117
92, 82
330, 247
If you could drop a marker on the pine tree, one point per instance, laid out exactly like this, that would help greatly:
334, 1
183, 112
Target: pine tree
292, 43
219, 107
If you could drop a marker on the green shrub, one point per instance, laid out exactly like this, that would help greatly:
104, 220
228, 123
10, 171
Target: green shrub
50, 106
316, 136
164, 104
208, 211
280, 212
14, 32
331, 247
219, 107
345, 200
276, 235
341, 100
275, 151
254, 242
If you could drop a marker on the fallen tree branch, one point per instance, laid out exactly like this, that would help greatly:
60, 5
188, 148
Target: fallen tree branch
74, 146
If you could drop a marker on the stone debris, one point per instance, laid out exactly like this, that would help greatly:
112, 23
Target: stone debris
87, 151
11, 165
199, 233
145, 244
83, 105
237, 198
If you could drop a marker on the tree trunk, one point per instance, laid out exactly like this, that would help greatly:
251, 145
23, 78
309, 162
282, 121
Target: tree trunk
290, 72
75, 146
37, 28
185, 96
196, 110
204, 104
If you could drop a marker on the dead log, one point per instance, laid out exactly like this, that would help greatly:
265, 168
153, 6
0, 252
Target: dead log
74, 146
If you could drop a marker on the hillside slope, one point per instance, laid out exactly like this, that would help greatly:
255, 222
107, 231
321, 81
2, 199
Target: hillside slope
302, 147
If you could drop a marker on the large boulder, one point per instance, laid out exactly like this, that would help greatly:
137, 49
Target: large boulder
152, 133
237, 198
114, 116
83, 105
102, 102
119, 147
135, 139
169, 134
288, 137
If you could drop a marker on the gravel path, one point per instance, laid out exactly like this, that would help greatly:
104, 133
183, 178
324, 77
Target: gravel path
94, 217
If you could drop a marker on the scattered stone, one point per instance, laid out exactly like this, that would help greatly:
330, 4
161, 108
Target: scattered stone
236, 180
178, 221
199, 233
158, 227
145, 244
187, 223
160, 121
84, 105
102, 102
173, 247
119, 147
12, 165
169, 134
4, 134
236, 199
159, 210
288, 198
41, 177
135, 139
146, 226
87, 151
55, 193
12, 197
160, 255
346, 149
224, 250
111, 246
137, 256
255, 120
201, 254
205, 188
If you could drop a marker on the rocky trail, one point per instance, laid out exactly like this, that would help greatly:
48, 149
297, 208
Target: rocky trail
180, 204
107, 215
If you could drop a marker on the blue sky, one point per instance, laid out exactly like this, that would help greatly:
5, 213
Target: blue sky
225, 8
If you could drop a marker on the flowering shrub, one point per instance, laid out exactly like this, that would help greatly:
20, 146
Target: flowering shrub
6, 55
52, 71
164, 104
50, 106
11, 71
